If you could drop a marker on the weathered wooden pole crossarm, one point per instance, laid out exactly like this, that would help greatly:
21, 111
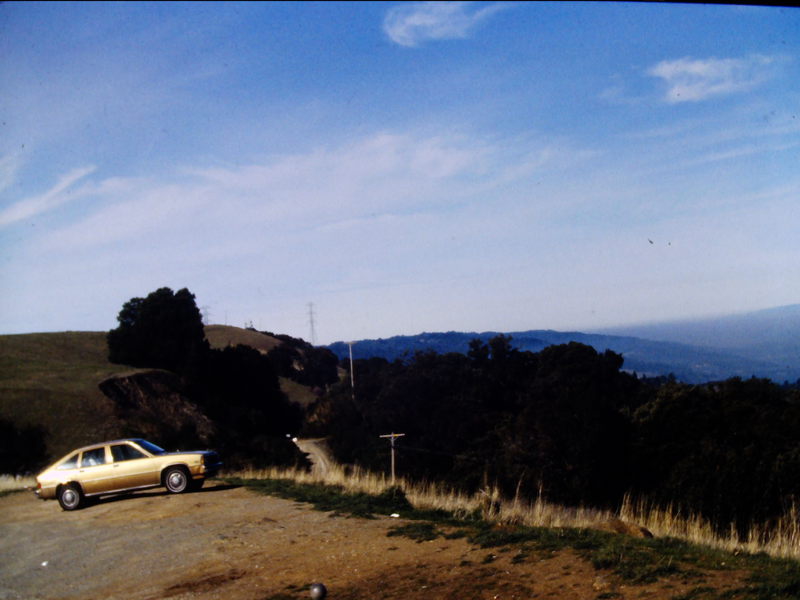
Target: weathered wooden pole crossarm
392, 437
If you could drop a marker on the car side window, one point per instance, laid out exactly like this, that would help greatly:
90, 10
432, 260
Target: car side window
70, 463
93, 457
122, 452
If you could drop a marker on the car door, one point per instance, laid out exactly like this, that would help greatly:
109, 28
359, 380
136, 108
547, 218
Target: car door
95, 472
132, 467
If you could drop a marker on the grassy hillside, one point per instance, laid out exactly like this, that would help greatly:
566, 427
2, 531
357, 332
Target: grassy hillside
50, 380
221, 336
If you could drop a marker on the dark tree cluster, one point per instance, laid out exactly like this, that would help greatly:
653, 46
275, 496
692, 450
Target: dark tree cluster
299, 361
163, 330
730, 450
237, 388
568, 423
548, 421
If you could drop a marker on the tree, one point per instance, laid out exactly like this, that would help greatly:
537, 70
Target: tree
238, 389
163, 330
728, 450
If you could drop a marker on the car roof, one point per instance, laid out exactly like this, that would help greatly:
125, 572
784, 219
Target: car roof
99, 444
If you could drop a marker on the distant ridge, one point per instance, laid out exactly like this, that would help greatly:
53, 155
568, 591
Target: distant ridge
723, 350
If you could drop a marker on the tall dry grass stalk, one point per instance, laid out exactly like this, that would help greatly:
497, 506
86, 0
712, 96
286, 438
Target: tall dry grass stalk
781, 538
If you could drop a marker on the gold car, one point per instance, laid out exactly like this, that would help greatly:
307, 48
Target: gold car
123, 466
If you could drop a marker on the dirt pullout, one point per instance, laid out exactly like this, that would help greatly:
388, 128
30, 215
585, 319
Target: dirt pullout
225, 542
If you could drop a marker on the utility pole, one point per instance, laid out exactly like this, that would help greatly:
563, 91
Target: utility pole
392, 437
352, 374
311, 323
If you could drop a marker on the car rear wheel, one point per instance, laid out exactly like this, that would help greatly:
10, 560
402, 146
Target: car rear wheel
176, 480
70, 496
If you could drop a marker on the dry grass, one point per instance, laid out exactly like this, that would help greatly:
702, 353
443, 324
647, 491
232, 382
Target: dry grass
781, 539
434, 496
222, 336
13, 483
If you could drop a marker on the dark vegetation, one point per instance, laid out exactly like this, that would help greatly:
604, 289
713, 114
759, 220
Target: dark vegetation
236, 387
569, 424
319, 365
22, 449
330, 498
634, 561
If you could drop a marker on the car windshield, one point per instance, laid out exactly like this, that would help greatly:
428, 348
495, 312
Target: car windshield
150, 447
70, 463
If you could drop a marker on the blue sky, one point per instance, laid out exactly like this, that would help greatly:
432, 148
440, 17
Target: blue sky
404, 167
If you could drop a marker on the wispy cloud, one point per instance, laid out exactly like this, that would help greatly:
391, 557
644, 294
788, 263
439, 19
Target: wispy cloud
740, 152
414, 23
52, 198
9, 165
381, 174
693, 80
375, 178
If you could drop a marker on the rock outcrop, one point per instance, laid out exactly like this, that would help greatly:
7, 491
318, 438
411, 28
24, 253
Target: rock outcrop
152, 404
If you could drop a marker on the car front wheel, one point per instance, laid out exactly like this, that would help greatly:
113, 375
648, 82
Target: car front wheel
176, 480
70, 496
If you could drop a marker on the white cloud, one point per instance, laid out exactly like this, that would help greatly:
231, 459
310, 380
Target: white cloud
413, 23
52, 198
693, 80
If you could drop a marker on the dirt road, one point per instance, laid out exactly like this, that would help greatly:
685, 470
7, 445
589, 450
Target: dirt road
230, 543
317, 453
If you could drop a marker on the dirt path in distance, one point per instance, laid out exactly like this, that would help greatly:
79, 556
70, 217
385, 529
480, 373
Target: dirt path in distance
318, 454
231, 543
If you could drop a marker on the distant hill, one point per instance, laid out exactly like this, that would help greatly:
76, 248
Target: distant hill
773, 353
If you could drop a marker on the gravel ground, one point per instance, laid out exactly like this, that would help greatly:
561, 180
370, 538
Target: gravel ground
224, 542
